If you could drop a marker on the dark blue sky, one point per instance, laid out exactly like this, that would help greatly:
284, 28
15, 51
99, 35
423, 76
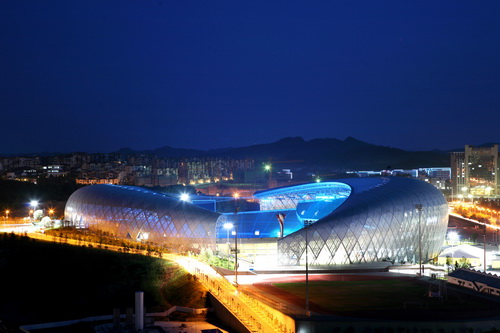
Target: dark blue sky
100, 75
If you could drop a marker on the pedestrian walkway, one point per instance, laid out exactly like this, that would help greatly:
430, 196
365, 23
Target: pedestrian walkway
186, 327
163, 327
252, 313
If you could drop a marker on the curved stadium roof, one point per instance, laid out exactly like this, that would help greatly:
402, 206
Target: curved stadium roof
350, 220
139, 214
378, 221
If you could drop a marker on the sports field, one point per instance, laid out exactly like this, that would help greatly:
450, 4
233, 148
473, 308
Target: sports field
380, 297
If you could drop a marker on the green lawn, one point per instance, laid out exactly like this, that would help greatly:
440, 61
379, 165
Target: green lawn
345, 295
397, 298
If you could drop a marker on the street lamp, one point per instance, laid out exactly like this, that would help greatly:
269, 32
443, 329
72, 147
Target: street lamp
184, 197
235, 233
268, 167
453, 237
228, 226
6, 215
419, 209
308, 313
484, 249
34, 204
51, 212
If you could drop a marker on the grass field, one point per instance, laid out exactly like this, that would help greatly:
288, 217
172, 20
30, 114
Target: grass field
388, 298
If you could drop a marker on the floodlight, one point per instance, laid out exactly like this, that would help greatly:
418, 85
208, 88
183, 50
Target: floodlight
453, 236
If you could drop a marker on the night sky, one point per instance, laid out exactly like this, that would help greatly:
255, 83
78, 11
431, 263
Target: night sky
96, 76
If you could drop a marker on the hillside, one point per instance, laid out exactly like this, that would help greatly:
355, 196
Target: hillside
328, 152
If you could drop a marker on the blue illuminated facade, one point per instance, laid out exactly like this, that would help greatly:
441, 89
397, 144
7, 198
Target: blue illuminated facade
138, 214
377, 221
348, 221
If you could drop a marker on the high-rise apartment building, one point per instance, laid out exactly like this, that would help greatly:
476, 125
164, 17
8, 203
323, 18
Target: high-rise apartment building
474, 172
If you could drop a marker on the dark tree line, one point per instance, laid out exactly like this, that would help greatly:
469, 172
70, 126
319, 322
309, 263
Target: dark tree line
51, 191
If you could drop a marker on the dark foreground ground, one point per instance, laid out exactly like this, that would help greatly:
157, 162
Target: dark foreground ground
44, 282
383, 297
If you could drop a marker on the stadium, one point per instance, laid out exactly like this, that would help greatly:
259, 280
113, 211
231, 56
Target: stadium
355, 220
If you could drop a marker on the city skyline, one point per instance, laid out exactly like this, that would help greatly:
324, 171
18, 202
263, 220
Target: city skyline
100, 76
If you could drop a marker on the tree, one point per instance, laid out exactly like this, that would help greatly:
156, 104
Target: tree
449, 263
464, 263
474, 237
46, 222
38, 214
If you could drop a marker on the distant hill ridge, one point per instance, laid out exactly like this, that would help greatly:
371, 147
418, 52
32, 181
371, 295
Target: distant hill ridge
350, 153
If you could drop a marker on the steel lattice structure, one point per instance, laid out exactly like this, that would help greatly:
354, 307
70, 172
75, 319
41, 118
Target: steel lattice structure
357, 220
378, 221
134, 213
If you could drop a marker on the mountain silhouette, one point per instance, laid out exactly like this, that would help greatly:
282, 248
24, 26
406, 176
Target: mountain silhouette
345, 154
348, 154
